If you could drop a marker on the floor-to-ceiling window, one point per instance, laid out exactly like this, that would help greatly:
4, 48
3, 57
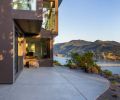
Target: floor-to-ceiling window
19, 49
38, 48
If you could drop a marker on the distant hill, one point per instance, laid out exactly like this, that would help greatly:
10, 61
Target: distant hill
101, 49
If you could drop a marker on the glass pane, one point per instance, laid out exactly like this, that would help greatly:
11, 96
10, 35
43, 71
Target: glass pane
24, 4
39, 48
49, 16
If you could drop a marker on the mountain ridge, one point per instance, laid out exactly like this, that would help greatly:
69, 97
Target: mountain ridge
101, 49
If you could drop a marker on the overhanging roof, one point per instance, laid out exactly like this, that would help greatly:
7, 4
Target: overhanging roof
29, 27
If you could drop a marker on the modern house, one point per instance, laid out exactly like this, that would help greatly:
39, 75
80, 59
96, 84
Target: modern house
27, 32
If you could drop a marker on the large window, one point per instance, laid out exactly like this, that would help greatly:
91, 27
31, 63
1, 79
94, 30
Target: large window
39, 48
24, 4
49, 15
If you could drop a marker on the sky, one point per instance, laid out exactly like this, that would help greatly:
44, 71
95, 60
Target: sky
89, 20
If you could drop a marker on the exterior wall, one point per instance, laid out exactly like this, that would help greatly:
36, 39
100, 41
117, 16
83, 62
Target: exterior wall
6, 42
23, 14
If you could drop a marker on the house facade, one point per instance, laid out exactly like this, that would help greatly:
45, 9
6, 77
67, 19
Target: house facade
27, 32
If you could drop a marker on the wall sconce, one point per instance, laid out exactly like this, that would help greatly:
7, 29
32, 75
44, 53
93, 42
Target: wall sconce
51, 4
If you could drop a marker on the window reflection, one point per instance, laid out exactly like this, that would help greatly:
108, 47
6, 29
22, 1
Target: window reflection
49, 16
24, 4
38, 48
1, 56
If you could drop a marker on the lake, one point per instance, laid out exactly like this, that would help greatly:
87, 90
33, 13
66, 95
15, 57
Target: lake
112, 66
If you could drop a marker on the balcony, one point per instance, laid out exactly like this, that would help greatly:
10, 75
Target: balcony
43, 10
50, 16
27, 9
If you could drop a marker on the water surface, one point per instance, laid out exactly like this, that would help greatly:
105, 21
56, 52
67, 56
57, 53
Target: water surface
112, 66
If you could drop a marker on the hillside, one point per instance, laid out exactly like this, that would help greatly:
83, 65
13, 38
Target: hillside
102, 49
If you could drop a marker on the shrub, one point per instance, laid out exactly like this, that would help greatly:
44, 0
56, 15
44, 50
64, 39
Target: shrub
107, 73
82, 60
99, 68
76, 58
73, 67
55, 62
69, 63
85, 61
88, 69
113, 82
94, 70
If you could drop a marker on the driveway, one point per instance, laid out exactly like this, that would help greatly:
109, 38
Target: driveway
54, 83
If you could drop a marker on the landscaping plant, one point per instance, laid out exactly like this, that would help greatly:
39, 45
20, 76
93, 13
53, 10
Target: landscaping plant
84, 61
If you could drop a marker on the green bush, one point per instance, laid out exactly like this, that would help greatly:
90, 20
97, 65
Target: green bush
76, 58
69, 63
85, 61
107, 73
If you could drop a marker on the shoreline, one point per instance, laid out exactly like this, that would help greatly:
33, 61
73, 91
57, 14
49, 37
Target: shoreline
112, 93
109, 65
105, 65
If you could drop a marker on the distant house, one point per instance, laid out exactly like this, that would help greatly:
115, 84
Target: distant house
27, 30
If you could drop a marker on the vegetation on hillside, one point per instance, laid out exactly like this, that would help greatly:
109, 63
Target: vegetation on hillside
108, 50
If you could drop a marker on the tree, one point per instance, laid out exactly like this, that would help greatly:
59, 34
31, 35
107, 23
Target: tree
85, 61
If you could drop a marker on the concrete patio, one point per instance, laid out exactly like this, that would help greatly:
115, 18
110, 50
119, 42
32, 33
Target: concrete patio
54, 83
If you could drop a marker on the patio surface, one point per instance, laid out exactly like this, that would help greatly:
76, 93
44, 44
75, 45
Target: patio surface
54, 83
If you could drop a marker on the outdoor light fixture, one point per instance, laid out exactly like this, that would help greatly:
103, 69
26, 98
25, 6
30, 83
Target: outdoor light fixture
26, 45
51, 4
